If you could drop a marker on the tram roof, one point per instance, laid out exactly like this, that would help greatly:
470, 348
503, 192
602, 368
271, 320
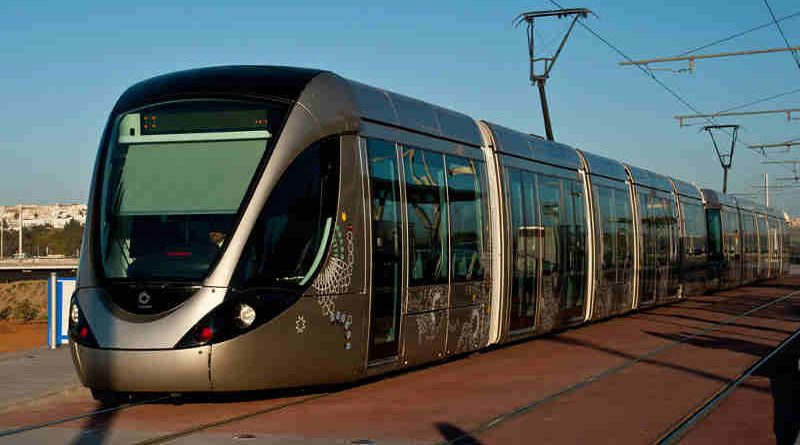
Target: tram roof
603, 166
288, 83
533, 148
234, 81
715, 199
687, 189
402, 111
649, 179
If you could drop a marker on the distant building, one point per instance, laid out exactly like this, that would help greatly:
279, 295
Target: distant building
56, 215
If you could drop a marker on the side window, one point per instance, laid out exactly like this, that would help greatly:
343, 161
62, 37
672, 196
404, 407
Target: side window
608, 227
575, 226
550, 193
695, 244
762, 234
624, 215
518, 227
525, 237
387, 248
714, 234
426, 195
290, 237
616, 229
465, 194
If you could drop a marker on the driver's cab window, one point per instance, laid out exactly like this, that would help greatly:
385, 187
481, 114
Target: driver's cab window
289, 240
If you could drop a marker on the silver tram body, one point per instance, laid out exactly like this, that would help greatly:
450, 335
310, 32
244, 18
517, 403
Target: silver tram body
362, 231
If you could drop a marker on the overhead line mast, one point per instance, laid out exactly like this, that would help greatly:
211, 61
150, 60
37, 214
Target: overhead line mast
540, 79
725, 159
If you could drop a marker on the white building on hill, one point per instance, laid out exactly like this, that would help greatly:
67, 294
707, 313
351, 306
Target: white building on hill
56, 215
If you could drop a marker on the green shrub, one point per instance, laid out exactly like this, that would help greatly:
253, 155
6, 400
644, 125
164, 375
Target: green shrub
5, 313
25, 311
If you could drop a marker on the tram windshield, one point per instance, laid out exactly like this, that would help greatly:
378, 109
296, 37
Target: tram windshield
174, 179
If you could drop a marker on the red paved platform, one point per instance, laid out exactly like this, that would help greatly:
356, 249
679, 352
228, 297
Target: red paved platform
625, 380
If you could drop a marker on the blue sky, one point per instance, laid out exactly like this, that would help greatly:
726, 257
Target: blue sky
65, 63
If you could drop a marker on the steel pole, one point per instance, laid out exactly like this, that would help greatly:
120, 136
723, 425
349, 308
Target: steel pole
52, 335
766, 189
20, 232
548, 126
724, 180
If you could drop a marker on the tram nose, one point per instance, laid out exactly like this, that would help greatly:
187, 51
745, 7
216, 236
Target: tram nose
145, 370
114, 327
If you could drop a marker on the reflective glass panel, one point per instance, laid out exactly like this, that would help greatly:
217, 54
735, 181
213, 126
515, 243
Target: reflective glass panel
426, 196
174, 178
386, 248
465, 193
288, 242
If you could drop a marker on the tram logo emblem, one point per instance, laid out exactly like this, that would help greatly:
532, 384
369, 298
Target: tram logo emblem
144, 299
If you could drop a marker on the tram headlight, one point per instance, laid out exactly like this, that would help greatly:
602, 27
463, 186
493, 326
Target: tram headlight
240, 313
74, 314
79, 331
244, 315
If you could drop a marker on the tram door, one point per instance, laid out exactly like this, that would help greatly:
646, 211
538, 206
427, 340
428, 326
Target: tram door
649, 261
526, 252
658, 246
387, 248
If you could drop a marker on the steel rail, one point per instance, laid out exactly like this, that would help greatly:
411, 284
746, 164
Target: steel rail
111, 409
678, 431
502, 418
204, 426
484, 427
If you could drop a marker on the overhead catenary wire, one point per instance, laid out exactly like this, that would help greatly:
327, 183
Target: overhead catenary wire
648, 73
739, 34
762, 100
672, 92
780, 30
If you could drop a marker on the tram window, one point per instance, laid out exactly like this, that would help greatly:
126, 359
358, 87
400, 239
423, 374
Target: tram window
518, 226
695, 244
526, 234
608, 226
624, 220
762, 234
730, 227
465, 193
171, 193
714, 234
574, 225
550, 192
530, 237
288, 243
749, 241
616, 227
387, 248
426, 196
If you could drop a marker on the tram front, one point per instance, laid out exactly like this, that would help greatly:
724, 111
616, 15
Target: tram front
201, 232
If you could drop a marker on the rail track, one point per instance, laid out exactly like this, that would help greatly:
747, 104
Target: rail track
677, 431
674, 434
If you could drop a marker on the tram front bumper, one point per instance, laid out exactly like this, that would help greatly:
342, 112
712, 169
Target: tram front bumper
172, 370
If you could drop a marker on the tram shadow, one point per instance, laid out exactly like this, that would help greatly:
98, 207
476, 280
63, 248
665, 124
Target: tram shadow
781, 370
784, 383
455, 435
97, 427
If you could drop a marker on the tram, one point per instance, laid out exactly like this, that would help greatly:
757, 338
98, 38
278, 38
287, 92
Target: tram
256, 227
